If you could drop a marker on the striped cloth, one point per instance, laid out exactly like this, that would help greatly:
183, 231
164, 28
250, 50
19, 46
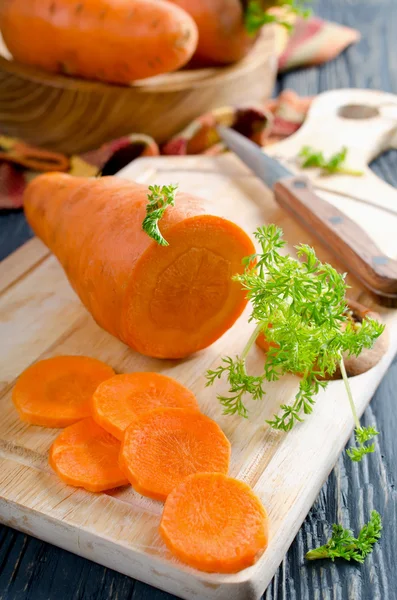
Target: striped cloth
312, 42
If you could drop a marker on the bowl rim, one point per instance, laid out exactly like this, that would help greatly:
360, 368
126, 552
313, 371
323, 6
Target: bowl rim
262, 51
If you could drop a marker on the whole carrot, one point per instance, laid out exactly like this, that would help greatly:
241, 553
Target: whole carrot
223, 37
166, 302
114, 41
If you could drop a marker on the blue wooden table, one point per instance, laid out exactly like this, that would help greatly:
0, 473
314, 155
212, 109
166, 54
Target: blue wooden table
33, 570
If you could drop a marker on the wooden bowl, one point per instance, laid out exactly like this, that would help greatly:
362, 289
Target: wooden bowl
72, 115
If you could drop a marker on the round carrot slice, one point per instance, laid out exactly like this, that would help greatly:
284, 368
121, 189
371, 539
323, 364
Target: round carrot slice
214, 523
163, 446
57, 391
119, 400
85, 455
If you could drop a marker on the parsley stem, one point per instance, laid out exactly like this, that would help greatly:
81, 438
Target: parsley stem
251, 341
317, 553
349, 392
345, 171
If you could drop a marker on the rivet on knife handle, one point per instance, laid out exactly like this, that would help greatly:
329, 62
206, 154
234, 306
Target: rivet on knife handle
347, 240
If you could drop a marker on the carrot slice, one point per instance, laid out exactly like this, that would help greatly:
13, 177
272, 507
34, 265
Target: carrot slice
85, 455
163, 446
57, 391
214, 523
119, 400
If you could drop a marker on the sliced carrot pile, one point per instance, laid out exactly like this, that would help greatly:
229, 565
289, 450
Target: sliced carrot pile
162, 447
85, 455
57, 391
119, 400
214, 523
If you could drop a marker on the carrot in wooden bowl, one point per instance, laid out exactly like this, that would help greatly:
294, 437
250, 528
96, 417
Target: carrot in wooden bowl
163, 301
214, 523
223, 36
115, 41
57, 391
229, 28
161, 447
119, 400
85, 455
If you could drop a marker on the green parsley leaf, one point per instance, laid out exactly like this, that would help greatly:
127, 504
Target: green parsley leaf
301, 306
257, 15
343, 544
363, 435
311, 158
160, 198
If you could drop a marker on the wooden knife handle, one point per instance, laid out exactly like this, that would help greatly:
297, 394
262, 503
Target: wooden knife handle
347, 240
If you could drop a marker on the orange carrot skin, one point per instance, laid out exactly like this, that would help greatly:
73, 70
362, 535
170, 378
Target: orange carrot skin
57, 391
115, 41
214, 523
119, 400
84, 455
166, 302
222, 35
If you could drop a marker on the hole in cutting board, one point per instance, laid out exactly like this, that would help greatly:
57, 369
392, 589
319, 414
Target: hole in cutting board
358, 111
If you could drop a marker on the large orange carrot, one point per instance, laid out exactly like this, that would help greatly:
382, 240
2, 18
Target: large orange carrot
166, 302
119, 400
85, 455
57, 391
163, 446
223, 37
109, 40
214, 523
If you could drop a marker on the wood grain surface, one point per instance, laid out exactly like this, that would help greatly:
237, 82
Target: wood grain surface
42, 317
30, 569
351, 244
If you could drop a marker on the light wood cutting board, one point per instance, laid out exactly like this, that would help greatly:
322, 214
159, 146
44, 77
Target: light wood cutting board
40, 316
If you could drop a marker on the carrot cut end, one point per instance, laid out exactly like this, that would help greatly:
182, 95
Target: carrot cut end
183, 297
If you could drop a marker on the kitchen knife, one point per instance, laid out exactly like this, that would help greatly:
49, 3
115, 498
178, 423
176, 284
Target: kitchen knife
343, 237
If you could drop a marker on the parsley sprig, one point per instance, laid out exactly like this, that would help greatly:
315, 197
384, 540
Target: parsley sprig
343, 544
311, 158
158, 200
257, 15
301, 306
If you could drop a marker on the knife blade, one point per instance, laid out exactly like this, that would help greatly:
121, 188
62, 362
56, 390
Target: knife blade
349, 243
264, 166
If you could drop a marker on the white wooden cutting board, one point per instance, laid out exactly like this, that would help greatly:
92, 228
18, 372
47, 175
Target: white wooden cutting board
40, 316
